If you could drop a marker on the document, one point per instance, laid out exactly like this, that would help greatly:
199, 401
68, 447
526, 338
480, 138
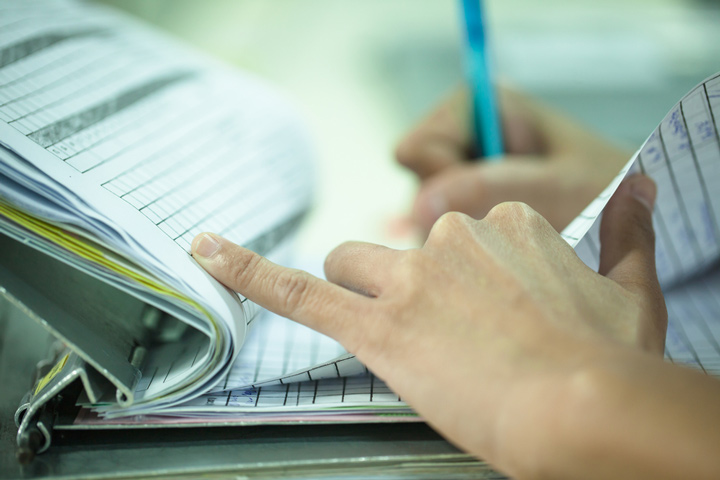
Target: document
118, 146
682, 155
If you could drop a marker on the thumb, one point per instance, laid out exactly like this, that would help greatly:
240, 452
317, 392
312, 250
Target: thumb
627, 254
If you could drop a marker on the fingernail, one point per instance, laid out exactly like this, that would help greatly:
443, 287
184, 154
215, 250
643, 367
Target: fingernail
206, 246
644, 190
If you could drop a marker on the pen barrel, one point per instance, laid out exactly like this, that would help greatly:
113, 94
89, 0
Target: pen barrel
485, 118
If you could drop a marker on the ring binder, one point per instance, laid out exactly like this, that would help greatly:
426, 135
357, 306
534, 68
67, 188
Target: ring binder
75, 307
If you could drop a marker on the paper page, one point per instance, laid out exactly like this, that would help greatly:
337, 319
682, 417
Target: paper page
162, 143
279, 351
682, 156
186, 146
693, 337
87, 418
355, 394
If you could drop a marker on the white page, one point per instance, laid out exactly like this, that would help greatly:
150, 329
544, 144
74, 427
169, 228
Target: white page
693, 337
136, 144
355, 394
279, 351
682, 156
161, 141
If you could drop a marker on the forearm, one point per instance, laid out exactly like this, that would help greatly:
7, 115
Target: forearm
628, 416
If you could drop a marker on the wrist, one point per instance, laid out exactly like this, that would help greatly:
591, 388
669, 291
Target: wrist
622, 414
564, 423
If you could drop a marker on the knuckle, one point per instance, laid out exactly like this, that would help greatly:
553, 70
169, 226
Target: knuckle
453, 228
243, 268
292, 288
443, 229
451, 222
510, 211
517, 216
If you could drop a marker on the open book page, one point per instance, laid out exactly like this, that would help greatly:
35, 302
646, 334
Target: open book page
281, 351
356, 395
693, 336
682, 155
152, 137
146, 144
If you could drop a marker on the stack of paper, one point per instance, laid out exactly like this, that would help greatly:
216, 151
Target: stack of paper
117, 147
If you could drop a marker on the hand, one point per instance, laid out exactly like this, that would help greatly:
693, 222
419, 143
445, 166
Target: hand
552, 164
494, 331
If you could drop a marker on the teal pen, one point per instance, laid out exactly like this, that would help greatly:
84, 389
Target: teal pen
486, 121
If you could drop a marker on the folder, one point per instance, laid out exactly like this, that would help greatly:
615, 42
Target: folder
118, 146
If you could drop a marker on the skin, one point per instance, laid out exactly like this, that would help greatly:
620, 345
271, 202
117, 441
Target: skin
494, 331
507, 344
553, 164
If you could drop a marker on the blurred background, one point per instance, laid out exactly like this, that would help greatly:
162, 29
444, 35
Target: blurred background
363, 72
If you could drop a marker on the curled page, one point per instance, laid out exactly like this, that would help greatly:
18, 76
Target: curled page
682, 156
118, 146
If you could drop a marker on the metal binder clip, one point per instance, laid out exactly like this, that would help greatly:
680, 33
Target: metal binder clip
38, 433
37, 412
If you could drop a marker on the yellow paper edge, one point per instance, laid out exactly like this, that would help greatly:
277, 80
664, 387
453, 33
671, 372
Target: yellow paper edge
76, 245
51, 374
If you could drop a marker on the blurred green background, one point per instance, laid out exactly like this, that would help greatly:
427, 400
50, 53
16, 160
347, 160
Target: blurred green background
363, 71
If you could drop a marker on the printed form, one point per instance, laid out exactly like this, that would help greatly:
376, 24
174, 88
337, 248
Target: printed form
157, 140
682, 156
91, 116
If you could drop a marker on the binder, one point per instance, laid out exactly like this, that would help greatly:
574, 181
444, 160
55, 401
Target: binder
85, 361
313, 451
107, 333
102, 191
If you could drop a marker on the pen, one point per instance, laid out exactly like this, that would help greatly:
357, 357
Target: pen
486, 121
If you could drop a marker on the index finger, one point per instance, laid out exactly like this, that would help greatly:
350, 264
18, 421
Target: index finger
289, 292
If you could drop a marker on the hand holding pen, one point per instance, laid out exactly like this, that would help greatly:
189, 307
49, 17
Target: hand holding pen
550, 162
